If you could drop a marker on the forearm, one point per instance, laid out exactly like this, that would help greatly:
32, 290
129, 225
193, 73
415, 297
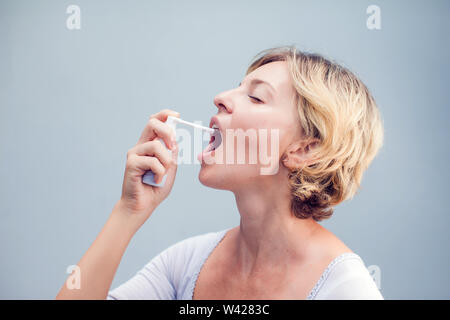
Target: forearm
99, 264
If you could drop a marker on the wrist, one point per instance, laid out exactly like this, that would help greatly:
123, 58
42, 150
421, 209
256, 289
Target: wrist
128, 218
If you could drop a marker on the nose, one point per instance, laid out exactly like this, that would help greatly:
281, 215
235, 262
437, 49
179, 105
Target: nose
223, 100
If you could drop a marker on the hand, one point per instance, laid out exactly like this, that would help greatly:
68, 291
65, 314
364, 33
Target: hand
149, 153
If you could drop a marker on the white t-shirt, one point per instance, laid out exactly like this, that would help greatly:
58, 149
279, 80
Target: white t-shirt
173, 273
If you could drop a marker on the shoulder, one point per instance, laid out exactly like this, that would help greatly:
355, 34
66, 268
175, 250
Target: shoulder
195, 245
184, 259
185, 255
346, 277
167, 275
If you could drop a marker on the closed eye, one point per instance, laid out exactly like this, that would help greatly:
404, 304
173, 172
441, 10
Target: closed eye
255, 99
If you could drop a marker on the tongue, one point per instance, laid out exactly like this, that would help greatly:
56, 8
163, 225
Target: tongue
214, 142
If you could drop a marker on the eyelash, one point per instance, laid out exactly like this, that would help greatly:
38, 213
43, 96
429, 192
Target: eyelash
256, 99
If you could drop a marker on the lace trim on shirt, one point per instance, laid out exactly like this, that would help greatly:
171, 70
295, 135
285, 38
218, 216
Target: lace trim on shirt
194, 278
326, 273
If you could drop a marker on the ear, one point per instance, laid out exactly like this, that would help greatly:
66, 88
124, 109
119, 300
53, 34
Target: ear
298, 154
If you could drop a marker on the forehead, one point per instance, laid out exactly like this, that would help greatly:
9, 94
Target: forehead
276, 74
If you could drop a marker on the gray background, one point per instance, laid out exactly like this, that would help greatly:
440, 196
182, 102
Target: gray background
73, 102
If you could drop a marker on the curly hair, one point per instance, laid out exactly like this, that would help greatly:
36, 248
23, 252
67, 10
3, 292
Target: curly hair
335, 107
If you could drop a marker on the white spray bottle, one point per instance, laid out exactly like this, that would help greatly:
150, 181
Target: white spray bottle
149, 176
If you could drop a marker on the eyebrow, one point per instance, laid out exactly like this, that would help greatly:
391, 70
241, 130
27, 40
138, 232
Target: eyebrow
259, 81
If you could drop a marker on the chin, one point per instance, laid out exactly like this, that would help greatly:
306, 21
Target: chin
207, 177
210, 177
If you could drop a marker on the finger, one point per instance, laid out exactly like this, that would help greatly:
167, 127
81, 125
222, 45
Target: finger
157, 129
143, 164
160, 117
163, 114
156, 149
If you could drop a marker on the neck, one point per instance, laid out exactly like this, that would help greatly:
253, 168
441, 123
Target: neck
269, 234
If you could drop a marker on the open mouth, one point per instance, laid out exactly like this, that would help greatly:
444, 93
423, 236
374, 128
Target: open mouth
215, 140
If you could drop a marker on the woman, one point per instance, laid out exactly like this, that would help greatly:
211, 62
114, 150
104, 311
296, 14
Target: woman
329, 131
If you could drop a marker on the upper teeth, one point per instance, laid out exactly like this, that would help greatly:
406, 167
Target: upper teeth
215, 126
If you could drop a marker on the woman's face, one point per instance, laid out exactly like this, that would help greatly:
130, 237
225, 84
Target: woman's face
251, 113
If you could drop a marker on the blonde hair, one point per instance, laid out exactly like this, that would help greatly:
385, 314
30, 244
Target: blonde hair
335, 107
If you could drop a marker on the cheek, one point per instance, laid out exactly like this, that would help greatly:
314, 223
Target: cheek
254, 119
274, 130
